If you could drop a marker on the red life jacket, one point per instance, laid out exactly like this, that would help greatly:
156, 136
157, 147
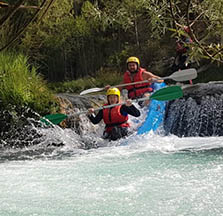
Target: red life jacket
181, 48
137, 90
112, 117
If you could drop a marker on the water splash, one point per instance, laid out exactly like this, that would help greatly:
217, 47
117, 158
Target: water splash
191, 117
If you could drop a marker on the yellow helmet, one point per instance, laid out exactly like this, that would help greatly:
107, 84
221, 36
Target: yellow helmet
113, 91
133, 59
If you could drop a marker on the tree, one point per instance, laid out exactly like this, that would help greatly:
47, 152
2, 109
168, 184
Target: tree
204, 19
78, 37
13, 22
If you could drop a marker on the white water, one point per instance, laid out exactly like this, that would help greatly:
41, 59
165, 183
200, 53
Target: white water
144, 175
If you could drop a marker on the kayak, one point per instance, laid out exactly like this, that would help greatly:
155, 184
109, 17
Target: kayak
155, 113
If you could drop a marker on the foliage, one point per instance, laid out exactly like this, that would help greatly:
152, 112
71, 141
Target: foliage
205, 21
68, 45
74, 39
20, 85
102, 78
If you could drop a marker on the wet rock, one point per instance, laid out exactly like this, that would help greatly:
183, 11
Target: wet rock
17, 128
198, 113
71, 104
197, 91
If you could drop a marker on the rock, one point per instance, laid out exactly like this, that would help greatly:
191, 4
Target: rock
198, 113
197, 91
71, 104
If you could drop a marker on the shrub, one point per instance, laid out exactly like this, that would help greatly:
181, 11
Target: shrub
102, 78
20, 85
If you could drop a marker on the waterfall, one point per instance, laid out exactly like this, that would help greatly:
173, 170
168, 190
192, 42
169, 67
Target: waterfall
199, 113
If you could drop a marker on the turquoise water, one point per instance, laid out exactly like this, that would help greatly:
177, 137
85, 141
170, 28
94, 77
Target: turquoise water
145, 175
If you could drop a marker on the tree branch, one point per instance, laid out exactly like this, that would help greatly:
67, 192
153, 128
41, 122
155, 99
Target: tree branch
23, 29
47, 8
194, 38
6, 5
11, 12
172, 13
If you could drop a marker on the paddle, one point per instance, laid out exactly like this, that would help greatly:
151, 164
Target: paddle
164, 94
53, 118
183, 75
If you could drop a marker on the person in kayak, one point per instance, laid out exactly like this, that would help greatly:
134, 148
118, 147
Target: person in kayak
135, 73
115, 118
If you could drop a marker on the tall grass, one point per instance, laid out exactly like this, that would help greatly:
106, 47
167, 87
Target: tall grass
20, 85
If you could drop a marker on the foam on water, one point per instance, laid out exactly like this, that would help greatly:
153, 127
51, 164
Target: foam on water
147, 174
140, 175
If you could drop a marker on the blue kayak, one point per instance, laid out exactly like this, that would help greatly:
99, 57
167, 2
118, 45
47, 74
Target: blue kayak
155, 113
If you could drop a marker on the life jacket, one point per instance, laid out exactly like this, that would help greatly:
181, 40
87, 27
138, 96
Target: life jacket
112, 117
135, 91
181, 48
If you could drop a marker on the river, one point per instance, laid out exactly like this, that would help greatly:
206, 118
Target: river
141, 175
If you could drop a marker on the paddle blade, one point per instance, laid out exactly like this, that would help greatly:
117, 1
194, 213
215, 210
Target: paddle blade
53, 118
167, 93
92, 90
184, 75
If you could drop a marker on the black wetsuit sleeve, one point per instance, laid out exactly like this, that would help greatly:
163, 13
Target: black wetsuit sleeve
131, 110
96, 119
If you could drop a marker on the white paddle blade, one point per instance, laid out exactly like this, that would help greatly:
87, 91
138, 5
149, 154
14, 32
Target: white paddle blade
184, 75
92, 90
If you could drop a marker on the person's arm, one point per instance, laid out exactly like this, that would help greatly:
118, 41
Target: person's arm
150, 76
131, 110
96, 119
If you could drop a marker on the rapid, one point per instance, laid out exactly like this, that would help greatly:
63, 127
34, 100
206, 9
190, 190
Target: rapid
150, 174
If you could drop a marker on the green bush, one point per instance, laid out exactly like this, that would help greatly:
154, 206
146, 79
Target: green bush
20, 85
102, 78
